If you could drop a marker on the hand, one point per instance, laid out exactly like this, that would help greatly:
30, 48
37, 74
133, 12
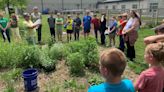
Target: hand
4, 29
124, 32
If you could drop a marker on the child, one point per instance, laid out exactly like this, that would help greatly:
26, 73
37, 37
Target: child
77, 22
59, 26
14, 28
51, 22
96, 25
69, 27
4, 27
112, 31
159, 37
112, 66
152, 79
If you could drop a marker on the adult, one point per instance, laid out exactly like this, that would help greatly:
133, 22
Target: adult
87, 24
69, 27
51, 23
121, 26
35, 16
131, 34
59, 26
30, 29
4, 27
77, 23
103, 28
14, 28
96, 25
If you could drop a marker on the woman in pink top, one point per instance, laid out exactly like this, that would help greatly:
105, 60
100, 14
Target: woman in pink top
152, 79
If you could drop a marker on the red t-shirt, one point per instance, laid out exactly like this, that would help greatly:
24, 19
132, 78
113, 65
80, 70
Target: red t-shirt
123, 23
96, 23
151, 80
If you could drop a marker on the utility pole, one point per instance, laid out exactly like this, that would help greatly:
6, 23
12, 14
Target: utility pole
81, 4
42, 5
62, 4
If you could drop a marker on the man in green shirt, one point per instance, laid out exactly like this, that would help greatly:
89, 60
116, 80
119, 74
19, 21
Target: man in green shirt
59, 26
4, 27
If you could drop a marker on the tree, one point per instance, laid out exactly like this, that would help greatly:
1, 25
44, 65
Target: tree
18, 3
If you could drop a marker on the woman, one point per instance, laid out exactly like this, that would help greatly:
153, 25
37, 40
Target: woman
14, 28
30, 27
103, 28
131, 34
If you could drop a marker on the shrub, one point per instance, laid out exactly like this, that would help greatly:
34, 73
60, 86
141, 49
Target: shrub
31, 57
10, 54
58, 52
90, 52
47, 63
76, 63
74, 47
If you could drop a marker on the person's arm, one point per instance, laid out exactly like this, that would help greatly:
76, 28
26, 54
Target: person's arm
141, 82
136, 24
152, 39
1, 27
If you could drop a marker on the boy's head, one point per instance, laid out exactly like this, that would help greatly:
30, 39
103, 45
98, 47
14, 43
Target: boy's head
124, 16
154, 53
112, 63
159, 29
119, 17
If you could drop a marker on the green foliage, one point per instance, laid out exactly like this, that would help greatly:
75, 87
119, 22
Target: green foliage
90, 52
95, 80
73, 85
31, 57
74, 47
47, 63
10, 54
58, 51
76, 63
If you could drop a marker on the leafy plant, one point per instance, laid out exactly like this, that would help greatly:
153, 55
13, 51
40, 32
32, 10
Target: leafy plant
95, 80
58, 52
31, 57
76, 63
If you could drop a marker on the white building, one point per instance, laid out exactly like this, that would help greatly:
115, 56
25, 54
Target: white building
131, 4
62, 4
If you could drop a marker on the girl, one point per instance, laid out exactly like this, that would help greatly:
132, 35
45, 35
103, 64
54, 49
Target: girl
152, 79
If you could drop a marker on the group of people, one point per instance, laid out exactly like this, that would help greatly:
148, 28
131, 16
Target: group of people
113, 63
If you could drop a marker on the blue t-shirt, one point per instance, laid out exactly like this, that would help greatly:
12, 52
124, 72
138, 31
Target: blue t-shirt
124, 86
87, 22
113, 24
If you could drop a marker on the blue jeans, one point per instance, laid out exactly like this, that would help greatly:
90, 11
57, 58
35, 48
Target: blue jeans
121, 46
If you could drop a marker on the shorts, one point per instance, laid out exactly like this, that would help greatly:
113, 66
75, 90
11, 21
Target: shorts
87, 31
112, 35
69, 31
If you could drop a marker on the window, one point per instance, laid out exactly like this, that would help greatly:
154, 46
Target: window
134, 6
153, 7
113, 7
123, 7
106, 7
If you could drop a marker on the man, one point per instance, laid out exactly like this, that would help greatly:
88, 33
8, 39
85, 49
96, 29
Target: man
51, 22
35, 16
4, 27
59, 26
77, 22
87, 24
96, 25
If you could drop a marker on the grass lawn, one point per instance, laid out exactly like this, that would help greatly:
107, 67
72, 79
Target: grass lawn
61, 80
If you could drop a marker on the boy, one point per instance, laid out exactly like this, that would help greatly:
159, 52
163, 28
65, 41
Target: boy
77, 22
112, 66
59, 26
69, 28
87, 24
159, 37
51, 22
96, 25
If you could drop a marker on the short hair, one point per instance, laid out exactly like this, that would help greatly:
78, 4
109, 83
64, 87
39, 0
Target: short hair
157, 51
159, 28
114, 60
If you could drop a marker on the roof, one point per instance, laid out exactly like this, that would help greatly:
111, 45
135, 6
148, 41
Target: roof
115, 1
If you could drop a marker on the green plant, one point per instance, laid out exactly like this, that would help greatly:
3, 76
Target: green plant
31, 57
76, 63
58, 52
73, 84
47, 63
95, 80
90, 52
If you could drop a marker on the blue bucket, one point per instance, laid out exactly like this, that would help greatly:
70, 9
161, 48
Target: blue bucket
30, 79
